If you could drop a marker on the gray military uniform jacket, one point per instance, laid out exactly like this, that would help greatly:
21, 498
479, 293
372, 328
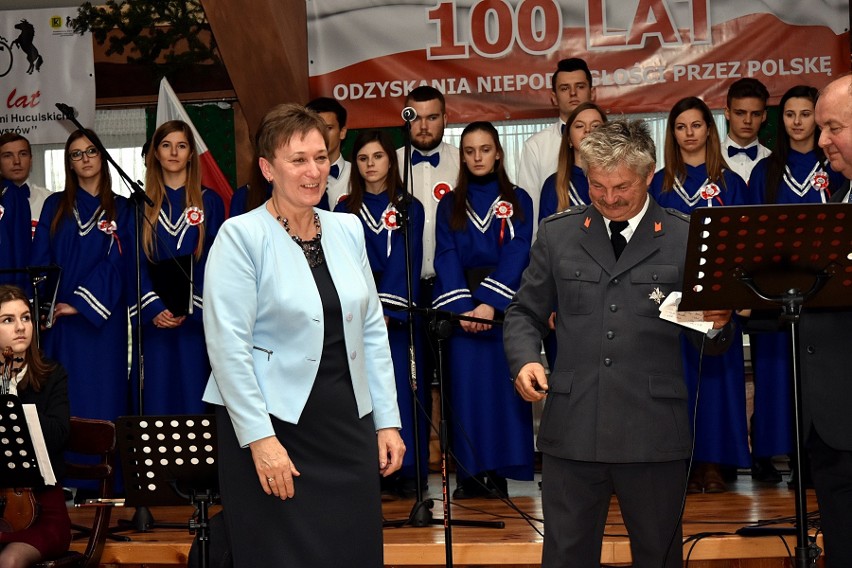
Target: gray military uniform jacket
617, 392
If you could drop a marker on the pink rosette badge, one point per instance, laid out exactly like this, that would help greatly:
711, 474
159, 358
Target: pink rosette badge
820, 181
194, 216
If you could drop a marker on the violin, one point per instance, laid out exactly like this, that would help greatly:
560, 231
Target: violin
18, 509
18, 505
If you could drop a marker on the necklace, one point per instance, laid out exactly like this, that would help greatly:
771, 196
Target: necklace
312, 248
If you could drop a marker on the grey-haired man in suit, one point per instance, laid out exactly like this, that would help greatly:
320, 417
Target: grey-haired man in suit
616, 418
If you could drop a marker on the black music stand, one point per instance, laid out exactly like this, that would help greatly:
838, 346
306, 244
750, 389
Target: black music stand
18, 462
765, 257
172, 460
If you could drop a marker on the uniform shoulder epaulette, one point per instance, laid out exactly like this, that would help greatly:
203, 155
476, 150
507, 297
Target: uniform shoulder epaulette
677, 213
573, 210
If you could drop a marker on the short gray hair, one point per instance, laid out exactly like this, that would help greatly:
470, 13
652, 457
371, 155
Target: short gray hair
620, 142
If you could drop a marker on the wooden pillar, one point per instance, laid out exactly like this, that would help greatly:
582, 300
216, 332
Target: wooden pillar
264, 45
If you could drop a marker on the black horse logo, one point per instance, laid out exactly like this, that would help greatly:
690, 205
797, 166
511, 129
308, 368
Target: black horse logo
24, 41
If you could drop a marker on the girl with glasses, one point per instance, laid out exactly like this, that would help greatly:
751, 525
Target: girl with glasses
82, 229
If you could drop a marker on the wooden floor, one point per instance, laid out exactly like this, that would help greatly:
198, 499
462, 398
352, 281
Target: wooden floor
710, 522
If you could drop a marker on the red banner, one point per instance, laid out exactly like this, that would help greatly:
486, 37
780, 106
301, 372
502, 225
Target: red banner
494, 59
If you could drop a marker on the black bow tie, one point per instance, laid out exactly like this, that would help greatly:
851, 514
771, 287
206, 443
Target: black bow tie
751, 151
335, 171
433, 159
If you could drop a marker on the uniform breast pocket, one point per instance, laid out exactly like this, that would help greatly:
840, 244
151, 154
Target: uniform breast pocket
578, 287
650, 285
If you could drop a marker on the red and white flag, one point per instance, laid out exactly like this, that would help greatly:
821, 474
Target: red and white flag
169, 108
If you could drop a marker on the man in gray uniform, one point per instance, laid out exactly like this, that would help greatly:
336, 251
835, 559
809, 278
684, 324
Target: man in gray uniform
615, 419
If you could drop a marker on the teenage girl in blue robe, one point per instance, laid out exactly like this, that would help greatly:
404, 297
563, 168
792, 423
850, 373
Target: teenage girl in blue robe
15, 233
483, 234
83, 230
796, 172
185, 219
569, 185
374, 198
695, 176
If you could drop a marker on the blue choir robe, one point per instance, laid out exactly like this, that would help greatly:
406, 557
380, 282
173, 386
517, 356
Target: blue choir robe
491, 426
772, 421
386, 254
578, 190
176, 363
239, 199
92, 344
15, 233
721, 430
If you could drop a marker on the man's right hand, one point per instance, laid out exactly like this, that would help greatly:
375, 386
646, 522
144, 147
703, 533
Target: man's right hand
531, 382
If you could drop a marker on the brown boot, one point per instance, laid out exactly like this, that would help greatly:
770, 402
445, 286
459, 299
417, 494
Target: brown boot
713, 482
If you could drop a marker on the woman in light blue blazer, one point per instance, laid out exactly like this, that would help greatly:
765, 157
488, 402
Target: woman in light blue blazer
302, 372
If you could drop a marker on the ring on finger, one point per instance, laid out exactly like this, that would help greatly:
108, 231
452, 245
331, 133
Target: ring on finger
270, 479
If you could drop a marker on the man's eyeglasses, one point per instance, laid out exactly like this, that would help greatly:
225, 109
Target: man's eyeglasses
77, 155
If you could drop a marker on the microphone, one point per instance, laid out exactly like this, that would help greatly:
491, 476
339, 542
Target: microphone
66, 110
409, 114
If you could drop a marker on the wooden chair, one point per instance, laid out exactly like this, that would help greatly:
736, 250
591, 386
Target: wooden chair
93, 438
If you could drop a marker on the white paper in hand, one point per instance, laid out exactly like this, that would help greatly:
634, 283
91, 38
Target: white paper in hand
690, 320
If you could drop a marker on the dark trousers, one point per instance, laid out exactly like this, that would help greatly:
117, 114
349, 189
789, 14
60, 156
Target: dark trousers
575, 500
832, 476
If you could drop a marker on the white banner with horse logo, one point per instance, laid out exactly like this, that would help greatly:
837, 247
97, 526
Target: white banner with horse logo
43, 62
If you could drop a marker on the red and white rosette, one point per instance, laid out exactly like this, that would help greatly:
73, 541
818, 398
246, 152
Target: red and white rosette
503, 210
110, 228
710, 192
440, 190
2, 211
194, 216
820, 181
390, 221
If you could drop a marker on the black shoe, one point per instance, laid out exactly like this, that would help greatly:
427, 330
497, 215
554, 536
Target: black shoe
470, 488
407, 487
498, 487
764, 471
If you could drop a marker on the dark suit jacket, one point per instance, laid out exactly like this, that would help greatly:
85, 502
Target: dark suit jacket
617, 392
54, 414
825, 339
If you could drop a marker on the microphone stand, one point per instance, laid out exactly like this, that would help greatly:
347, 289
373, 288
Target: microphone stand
421, 511
142, 517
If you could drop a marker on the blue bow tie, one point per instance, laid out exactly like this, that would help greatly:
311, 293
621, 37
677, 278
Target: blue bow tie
335, 171
417, 157
751, 151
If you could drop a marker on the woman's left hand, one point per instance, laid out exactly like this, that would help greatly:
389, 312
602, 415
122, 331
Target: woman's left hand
391, 450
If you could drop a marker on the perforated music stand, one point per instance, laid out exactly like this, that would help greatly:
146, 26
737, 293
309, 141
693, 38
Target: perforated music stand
18, 463
169, 460
765, 257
